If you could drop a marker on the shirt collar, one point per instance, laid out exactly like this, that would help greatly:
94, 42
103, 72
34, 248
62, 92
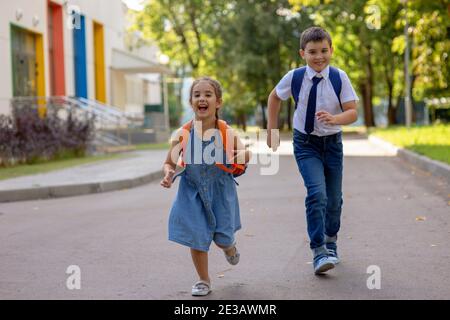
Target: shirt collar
311, 73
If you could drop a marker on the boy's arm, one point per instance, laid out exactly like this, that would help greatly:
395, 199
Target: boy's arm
349, 115
273, 109
241, 153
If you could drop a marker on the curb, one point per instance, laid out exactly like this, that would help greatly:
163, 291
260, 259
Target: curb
63, 191
436, 168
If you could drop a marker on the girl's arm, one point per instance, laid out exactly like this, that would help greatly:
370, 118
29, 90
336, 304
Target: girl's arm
170, 163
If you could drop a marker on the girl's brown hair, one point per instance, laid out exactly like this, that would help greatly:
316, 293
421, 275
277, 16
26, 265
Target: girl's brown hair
214, 83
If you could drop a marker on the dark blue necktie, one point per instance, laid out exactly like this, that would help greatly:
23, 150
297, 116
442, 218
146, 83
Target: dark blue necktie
311, 110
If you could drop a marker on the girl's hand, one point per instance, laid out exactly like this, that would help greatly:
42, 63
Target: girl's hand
326, 118
167, 181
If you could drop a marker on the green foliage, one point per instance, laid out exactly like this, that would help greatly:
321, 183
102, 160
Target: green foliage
249, 45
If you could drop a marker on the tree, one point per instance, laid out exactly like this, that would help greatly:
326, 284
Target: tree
184, 31
259, 42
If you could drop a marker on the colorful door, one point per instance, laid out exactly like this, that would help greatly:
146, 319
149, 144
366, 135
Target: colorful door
27, 53
99, 60
24, 65
79, 46
56, 49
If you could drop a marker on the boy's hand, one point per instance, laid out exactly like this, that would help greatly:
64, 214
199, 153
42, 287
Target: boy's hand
167, 181
326, 118
273, 139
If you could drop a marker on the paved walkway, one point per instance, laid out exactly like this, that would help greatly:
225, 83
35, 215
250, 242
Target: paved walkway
139, 168
142, 167
395, 218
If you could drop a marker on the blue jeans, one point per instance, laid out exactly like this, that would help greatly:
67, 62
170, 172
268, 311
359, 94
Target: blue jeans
320, 161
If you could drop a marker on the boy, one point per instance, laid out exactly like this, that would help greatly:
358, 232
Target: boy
325, 100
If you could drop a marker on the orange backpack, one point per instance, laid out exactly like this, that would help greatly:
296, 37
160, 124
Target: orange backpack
235, 169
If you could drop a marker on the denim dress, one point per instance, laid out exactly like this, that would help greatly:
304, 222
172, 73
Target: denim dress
206, 206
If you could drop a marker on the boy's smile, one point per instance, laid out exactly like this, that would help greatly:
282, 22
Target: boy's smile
317, 54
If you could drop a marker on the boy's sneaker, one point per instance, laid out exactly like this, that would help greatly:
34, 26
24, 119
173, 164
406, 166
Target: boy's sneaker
330, 243
333, 255
322, 264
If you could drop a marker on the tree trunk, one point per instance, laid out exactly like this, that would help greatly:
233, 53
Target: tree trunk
413, 112
366, 91
263, 114
389, 77
391, 108
244, 122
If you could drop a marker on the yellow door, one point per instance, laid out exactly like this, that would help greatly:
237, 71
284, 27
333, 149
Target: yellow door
99, 56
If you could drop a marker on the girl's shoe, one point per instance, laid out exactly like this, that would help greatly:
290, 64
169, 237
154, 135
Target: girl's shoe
234, 259
201, 288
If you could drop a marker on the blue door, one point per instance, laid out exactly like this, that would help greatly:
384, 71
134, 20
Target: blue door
79, 48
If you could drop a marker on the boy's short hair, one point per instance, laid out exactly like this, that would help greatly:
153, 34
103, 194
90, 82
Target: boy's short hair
314, 34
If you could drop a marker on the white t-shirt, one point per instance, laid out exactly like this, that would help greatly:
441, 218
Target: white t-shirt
326, 98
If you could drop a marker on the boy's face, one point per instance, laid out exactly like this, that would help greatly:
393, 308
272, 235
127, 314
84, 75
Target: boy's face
204, 100
317, 54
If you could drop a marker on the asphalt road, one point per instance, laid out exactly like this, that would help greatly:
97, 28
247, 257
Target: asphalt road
395, 218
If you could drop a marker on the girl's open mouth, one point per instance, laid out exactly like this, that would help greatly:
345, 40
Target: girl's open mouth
202, 108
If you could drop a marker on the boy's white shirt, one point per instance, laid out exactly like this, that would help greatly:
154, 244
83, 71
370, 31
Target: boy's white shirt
326, 98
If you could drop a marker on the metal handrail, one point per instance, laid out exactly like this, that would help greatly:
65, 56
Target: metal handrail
105, 117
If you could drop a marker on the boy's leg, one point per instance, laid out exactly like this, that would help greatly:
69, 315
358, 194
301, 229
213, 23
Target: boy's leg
312, 170
334, 200
333, 174
309, 156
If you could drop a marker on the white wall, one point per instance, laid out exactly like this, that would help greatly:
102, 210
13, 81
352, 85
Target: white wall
134, 94
109, 13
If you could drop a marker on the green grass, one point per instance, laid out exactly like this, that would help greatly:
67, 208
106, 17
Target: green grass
430, 141
354, 129
25, 170
153, 146
67, 162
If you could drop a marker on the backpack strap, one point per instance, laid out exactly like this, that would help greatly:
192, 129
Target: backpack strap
235, 169
336, 82
296, 83
223, 127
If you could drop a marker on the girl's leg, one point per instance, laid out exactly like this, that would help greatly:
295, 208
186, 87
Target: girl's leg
200, 259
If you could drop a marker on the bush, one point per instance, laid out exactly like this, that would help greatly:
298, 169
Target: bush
26, 137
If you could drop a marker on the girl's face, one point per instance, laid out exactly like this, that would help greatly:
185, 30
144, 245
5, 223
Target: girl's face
204, 101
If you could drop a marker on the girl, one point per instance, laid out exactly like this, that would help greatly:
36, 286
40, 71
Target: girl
206, 207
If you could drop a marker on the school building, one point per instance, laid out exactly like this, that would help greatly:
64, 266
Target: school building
77, 48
